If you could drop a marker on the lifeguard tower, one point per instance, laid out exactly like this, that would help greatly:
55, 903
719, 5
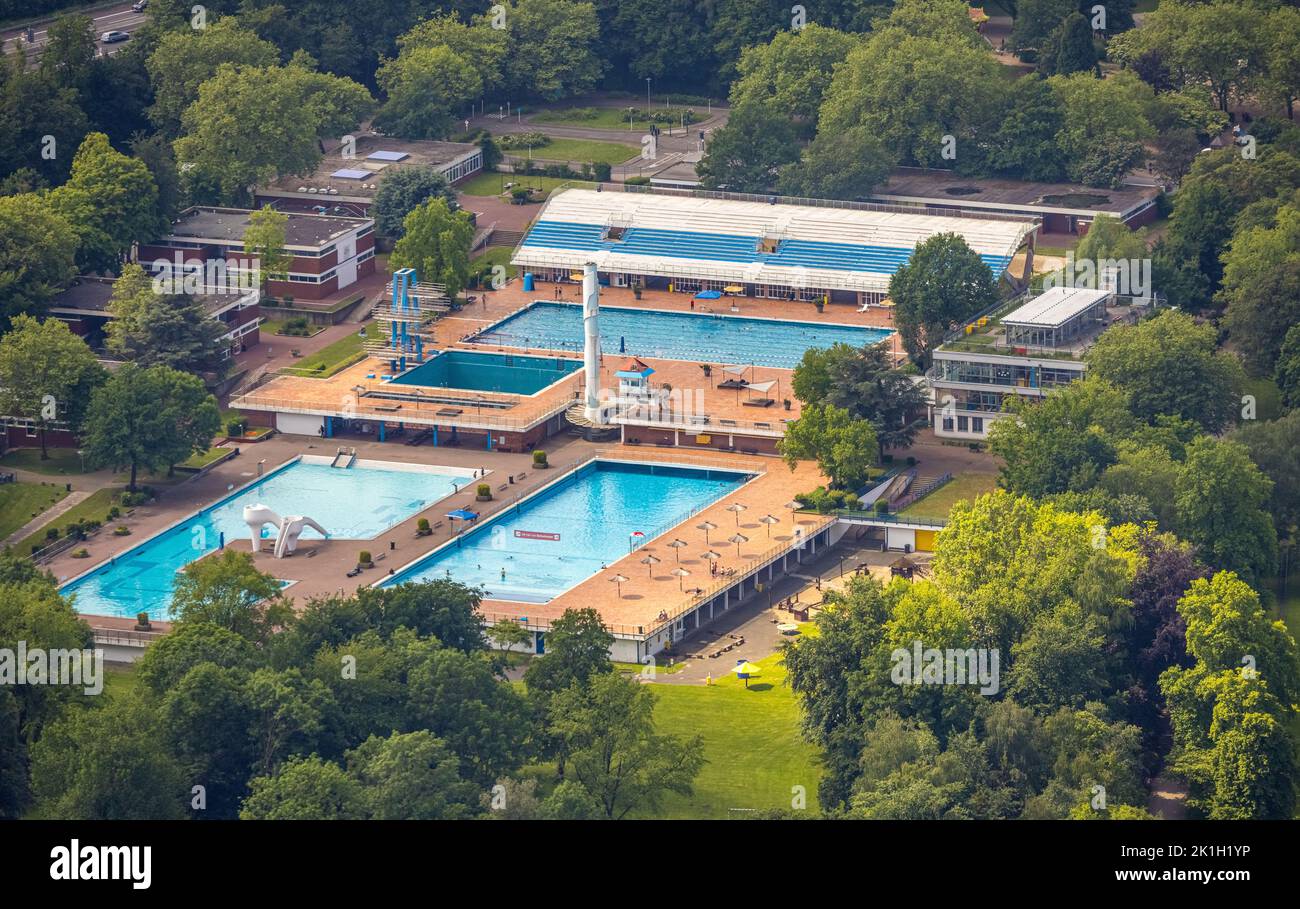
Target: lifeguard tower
404, 321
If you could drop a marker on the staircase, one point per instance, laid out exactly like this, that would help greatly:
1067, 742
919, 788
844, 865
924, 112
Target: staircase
511, 238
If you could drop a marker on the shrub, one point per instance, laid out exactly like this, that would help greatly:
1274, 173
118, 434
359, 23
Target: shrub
422, 525
882, 507
121, 530
524, 141
603, 171
52, 533
363, 557
235, 427
824, 500
114, 512
483, 491
539, 458
637, 181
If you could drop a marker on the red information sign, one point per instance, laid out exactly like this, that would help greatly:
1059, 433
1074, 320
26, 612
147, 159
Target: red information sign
537, 535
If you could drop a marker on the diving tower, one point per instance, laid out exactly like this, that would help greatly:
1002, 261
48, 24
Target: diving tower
405, 318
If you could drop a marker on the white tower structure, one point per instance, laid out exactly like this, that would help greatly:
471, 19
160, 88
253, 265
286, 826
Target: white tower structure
591, 349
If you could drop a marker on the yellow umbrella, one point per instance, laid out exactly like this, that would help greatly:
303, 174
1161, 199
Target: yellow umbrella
747, 670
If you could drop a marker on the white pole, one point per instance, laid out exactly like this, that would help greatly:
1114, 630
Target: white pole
591, 332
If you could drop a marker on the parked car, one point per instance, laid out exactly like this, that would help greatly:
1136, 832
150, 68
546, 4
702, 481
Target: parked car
113, 37
139, 5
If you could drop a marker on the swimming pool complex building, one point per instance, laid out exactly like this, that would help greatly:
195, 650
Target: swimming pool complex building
837, 253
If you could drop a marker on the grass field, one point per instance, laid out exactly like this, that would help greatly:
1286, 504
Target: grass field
198, 461
591, 150
493, 183
936, 505
61, 462
328, 360
495, 255
120, 679
751, 741
94, 508
21, 502
604, 117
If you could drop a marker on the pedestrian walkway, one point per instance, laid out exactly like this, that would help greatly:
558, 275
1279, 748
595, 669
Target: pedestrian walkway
55, 511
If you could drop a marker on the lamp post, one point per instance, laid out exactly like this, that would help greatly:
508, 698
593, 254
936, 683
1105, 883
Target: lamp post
647, 95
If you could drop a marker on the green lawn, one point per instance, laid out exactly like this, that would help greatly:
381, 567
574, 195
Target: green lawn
61, 462
605, 117
936, 505
495, 255
751, 740
199, 461
21, 502
94, 508
1268, 398
493, 183
591, 150
120, 679
328, 360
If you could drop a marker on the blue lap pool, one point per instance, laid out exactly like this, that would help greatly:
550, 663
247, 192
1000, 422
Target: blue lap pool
359, 502
697, 337
476, 371
567, 531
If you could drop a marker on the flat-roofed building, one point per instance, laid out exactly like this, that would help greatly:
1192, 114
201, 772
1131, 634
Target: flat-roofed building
1025, 348
839, 252
1063, 208
348, 176
329, 252
84, 307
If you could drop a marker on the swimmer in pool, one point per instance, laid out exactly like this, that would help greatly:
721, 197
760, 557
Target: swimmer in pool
503, 574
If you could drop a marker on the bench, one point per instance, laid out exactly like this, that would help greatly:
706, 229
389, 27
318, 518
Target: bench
449, 412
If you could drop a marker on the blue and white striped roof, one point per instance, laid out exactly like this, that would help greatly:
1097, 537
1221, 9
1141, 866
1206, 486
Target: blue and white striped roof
719, 239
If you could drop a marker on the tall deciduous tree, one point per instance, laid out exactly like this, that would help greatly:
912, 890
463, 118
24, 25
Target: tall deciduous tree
843, 447
228, 591
47, 375
943, 283
149, 418
153, 329
1222, 500
38, 251
435, 242
251, 124
265, 240
110, 201
614, 752
747, 154
1170, 365
404, 190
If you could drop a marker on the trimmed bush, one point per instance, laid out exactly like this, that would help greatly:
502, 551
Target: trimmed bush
539, 459
363, 558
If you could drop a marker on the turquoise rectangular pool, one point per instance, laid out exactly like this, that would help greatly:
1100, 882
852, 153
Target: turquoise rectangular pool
476, 371
359, 502
566, 532
697, 337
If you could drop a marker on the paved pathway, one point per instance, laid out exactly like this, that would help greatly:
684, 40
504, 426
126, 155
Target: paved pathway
55, 511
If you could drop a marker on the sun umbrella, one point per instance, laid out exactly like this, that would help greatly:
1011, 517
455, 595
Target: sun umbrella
769, 520
681, 574
738, 539
706, 526
711, 555
618, 580
651, 561
736, 508
747, 670
677, 545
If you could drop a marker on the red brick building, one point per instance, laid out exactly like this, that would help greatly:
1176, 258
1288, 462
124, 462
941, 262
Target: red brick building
329, 252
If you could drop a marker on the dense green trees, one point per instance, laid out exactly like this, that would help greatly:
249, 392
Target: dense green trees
1050, 591
251, 124
747, 155
1170, 365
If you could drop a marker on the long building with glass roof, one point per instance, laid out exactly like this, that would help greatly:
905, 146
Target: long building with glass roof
690, 243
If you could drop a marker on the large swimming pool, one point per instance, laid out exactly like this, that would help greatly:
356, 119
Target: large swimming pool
698, 337
478, 371
359, 502
565, 533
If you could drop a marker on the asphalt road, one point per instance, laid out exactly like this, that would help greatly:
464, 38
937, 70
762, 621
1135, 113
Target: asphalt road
116, 18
